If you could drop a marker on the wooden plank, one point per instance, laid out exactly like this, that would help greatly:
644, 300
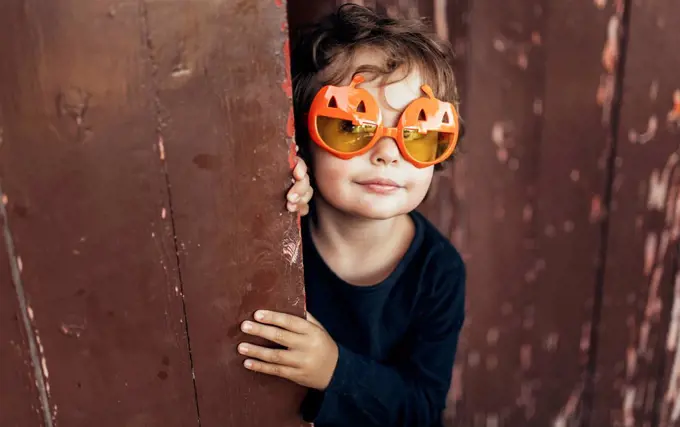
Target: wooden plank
20, 403
223, 91
638, 367
528, 189
81, 169
449, 20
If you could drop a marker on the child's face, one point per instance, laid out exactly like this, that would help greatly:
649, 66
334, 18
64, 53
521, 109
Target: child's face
379, 184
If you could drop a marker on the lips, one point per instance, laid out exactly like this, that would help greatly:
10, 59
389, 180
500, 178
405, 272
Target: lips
380, 185
383, 182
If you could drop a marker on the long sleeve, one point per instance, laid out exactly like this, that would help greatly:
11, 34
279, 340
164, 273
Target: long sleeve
363, 392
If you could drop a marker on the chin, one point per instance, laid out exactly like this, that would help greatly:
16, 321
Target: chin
377, 209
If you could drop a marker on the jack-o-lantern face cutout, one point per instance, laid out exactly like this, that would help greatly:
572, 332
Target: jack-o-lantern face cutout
346, 121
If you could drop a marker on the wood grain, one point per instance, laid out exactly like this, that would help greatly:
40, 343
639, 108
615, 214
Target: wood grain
638, 363
86, 192
223, 109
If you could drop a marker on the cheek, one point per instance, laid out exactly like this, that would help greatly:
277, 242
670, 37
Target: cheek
420, 182
330, 172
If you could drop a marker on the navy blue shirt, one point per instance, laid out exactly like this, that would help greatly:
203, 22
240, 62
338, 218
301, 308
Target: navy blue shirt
397, 339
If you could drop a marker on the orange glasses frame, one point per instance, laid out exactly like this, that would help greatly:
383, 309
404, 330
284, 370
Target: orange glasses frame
357, 105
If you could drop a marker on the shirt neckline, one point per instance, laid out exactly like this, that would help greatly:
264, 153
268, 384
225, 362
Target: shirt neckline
391, 279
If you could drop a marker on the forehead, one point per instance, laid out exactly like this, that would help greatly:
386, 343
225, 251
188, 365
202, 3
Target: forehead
394, 91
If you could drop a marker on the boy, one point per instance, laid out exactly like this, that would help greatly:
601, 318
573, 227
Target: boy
374, 115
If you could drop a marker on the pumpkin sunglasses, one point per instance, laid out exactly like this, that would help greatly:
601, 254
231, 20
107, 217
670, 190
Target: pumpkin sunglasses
346, 121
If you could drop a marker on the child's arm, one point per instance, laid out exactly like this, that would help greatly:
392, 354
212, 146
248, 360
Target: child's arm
301, 192
365, 392
356, 390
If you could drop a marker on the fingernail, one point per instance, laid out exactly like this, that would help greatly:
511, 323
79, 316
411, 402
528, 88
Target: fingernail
248, 364
243, 349
294, 197
259, 315
247, 326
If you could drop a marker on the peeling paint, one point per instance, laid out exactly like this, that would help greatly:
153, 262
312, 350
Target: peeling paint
291, 250
671, 402
161, 147
663, 196
596, 209
674, 115
647, 135
610, 58
629, 406
659, 182
569, 413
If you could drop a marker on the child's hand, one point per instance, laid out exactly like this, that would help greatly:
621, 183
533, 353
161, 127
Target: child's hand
310, 354
301, 192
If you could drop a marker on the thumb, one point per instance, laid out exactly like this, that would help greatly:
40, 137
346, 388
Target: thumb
311, 319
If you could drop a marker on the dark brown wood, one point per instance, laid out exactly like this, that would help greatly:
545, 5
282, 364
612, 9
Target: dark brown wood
638, 362
86, 192
20, 402
223, 99
529, 189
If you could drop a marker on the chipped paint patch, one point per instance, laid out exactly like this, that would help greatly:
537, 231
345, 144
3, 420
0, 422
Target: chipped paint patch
569, 413
291, 250
663, 197
610, 59
601, 4
161, 147
671, 402
647, 135
674, 115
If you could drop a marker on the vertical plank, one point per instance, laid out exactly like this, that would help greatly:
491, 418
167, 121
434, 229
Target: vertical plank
638, 367
442, 205
20, 403
531, 182
85, 191
222, 91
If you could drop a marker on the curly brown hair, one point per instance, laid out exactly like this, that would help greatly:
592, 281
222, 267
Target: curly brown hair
322, 54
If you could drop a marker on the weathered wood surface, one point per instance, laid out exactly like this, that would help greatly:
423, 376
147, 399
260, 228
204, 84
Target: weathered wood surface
638, 362
20, 403
223, 110
144, 161
528, 203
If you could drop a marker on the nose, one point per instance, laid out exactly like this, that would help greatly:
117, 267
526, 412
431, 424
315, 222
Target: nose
385, 152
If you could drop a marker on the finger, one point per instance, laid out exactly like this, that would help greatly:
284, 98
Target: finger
285, 321
270, 369
311, 319
292, 207
307, 196
300, 170
272, 333
298, 190
275, 356
304, 210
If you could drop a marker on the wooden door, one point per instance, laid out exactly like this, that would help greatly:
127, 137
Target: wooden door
144, 160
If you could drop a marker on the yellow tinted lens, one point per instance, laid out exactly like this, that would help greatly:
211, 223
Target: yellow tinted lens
426, 147
343, 135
